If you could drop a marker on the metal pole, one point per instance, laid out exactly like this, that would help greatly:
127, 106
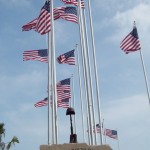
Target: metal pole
145, 77
89, 72
54, 73
85, 71
71, 127
81, 95
118, 140
73, 98
95, 69
49, 93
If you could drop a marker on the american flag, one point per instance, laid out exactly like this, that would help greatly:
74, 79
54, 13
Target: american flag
68, 58
111, 133
98, 128
63, 89
131, 42
29, 26
61, 95
69, 13
34, 24
40, 55
63, 104
74, 2
58, 11
41, 103
43, 25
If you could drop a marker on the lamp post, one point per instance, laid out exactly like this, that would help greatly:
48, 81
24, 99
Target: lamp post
73, 137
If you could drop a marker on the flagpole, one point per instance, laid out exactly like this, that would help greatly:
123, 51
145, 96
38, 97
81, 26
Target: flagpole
105, 136
88, 130
50, 86
118, 140
145, 76
49, 90
73, 98
104, 131
52, 99
89, 72
95, 69
81, 95
85, 72
54, 75
49, 68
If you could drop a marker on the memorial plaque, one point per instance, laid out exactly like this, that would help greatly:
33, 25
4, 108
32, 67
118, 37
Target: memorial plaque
75, 146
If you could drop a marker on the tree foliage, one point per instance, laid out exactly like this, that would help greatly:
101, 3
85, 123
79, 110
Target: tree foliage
8, 144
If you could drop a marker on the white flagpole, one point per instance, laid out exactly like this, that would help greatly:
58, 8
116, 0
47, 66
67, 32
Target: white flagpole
88, 130
89, 72
50, 118
73, 98
85, 72
51, 98
95, 69
105, 136
81, 95
104, 129
49, 68
145, 76
118, 140
54, 75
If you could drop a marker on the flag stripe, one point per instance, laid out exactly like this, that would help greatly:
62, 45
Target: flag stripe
111, 133
131, 42
42, 103
74, 2
63, 104
68, 58
69, 14
43, 25
39, 55
29, 26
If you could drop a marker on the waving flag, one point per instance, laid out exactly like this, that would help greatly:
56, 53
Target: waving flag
63, 89
68, 58
29, 26
41, 103
68, 13
64, 94
98, 128
131, 42
74, 2
111, 133
43, 25
64, 85
39, 55
58, 11
63, 104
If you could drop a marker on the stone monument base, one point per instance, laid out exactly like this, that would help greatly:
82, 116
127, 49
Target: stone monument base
74, 146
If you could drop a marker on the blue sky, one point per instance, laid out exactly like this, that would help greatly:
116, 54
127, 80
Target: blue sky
124, 102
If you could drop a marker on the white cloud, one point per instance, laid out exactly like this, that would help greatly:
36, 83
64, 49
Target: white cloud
139, 13
122, 24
